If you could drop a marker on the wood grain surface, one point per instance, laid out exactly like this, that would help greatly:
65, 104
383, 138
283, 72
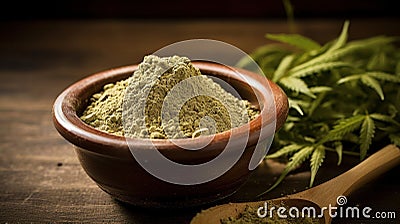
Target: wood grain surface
41, 179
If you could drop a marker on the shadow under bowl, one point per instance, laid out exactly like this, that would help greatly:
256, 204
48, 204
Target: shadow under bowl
108, 160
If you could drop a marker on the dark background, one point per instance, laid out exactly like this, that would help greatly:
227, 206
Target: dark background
158, 9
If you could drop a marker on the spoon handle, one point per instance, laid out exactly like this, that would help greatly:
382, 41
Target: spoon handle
375, 165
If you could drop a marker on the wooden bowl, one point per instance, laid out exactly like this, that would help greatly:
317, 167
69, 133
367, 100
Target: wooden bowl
107, 158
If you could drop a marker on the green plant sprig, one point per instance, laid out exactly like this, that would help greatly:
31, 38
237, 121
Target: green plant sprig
341, 95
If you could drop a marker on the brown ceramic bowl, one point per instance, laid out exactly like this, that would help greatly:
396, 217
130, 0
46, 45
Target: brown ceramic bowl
108, 161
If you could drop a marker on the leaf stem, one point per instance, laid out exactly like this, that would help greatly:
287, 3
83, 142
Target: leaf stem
350, 153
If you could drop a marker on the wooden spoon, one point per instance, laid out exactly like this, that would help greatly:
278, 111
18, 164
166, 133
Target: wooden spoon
320, 196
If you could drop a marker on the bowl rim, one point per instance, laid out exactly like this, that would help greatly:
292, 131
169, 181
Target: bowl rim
72, 128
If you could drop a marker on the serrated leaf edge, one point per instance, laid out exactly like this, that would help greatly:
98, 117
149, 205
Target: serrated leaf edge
316, 160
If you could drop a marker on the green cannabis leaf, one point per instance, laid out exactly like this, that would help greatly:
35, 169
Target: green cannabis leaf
296, 40
316, 160
285, 150
342, 95
344, 127
296, 160
366, 134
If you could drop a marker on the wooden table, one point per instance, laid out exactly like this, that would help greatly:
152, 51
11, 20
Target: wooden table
41, 179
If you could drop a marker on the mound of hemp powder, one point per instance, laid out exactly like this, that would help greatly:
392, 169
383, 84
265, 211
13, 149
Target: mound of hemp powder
166, 98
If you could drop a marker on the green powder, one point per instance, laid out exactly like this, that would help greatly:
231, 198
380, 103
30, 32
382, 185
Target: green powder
166, 98
249, 216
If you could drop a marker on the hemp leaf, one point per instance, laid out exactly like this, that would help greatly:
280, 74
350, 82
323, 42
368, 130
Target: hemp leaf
296, 85
342, 95
345, 126
316, 160
296, 160
295, 40
284, 151
366, 134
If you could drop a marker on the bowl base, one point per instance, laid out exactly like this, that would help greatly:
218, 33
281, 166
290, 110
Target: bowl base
165, 204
